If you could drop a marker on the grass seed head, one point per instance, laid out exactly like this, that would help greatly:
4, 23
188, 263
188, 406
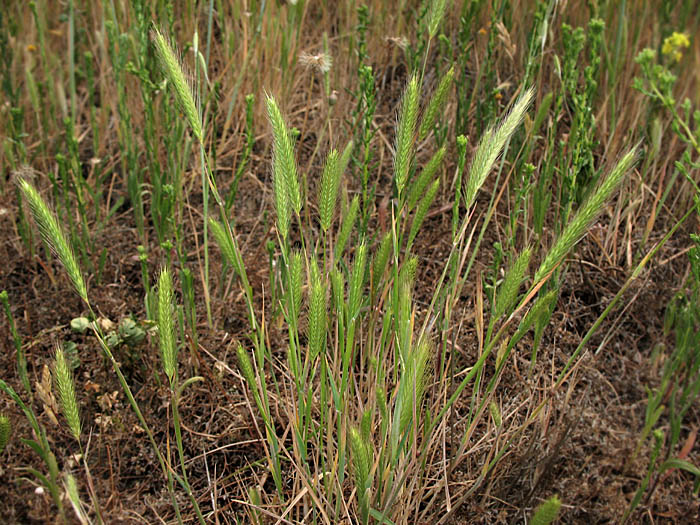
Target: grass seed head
437, 11
491, 145
436, 103
66, 392
508, 291
53, 236
585, 215
246, 367
317, 317
174, 71
328, 194
405, 133
166, 329
284, 165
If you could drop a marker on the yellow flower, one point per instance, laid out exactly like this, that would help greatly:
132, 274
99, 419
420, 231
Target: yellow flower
674, 44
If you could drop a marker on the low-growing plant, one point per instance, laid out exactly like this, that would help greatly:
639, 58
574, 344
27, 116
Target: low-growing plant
385, 439
678, 391
54, 237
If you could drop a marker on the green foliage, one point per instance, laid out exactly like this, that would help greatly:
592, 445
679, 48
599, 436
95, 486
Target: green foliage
348, 224
679, 389
546, 512
5, 431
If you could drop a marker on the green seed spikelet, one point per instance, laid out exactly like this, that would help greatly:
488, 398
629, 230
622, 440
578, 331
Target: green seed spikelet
174, 72
53, 236
508, 291
491, 145
437, 11
535, 314
338, 289
361, 453
426, 175
436, 104
283, 162
407, 275
381, 258
294, 283
246, 367
346, 227
228, 246
357, 280
317, 315
422, 211
166, 329
345, 157
585, 215
495, 413
5, 431
405, 133
74, 496
366, 424
330, 183
328, 193
66, 392
412, 386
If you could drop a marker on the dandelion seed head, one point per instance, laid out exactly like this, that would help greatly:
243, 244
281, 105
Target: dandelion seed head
322, 62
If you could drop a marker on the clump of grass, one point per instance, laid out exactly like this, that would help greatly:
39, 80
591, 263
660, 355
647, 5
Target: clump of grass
378, 391
55, 238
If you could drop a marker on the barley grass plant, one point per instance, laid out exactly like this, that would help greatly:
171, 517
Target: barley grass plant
443, 235
54, 237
